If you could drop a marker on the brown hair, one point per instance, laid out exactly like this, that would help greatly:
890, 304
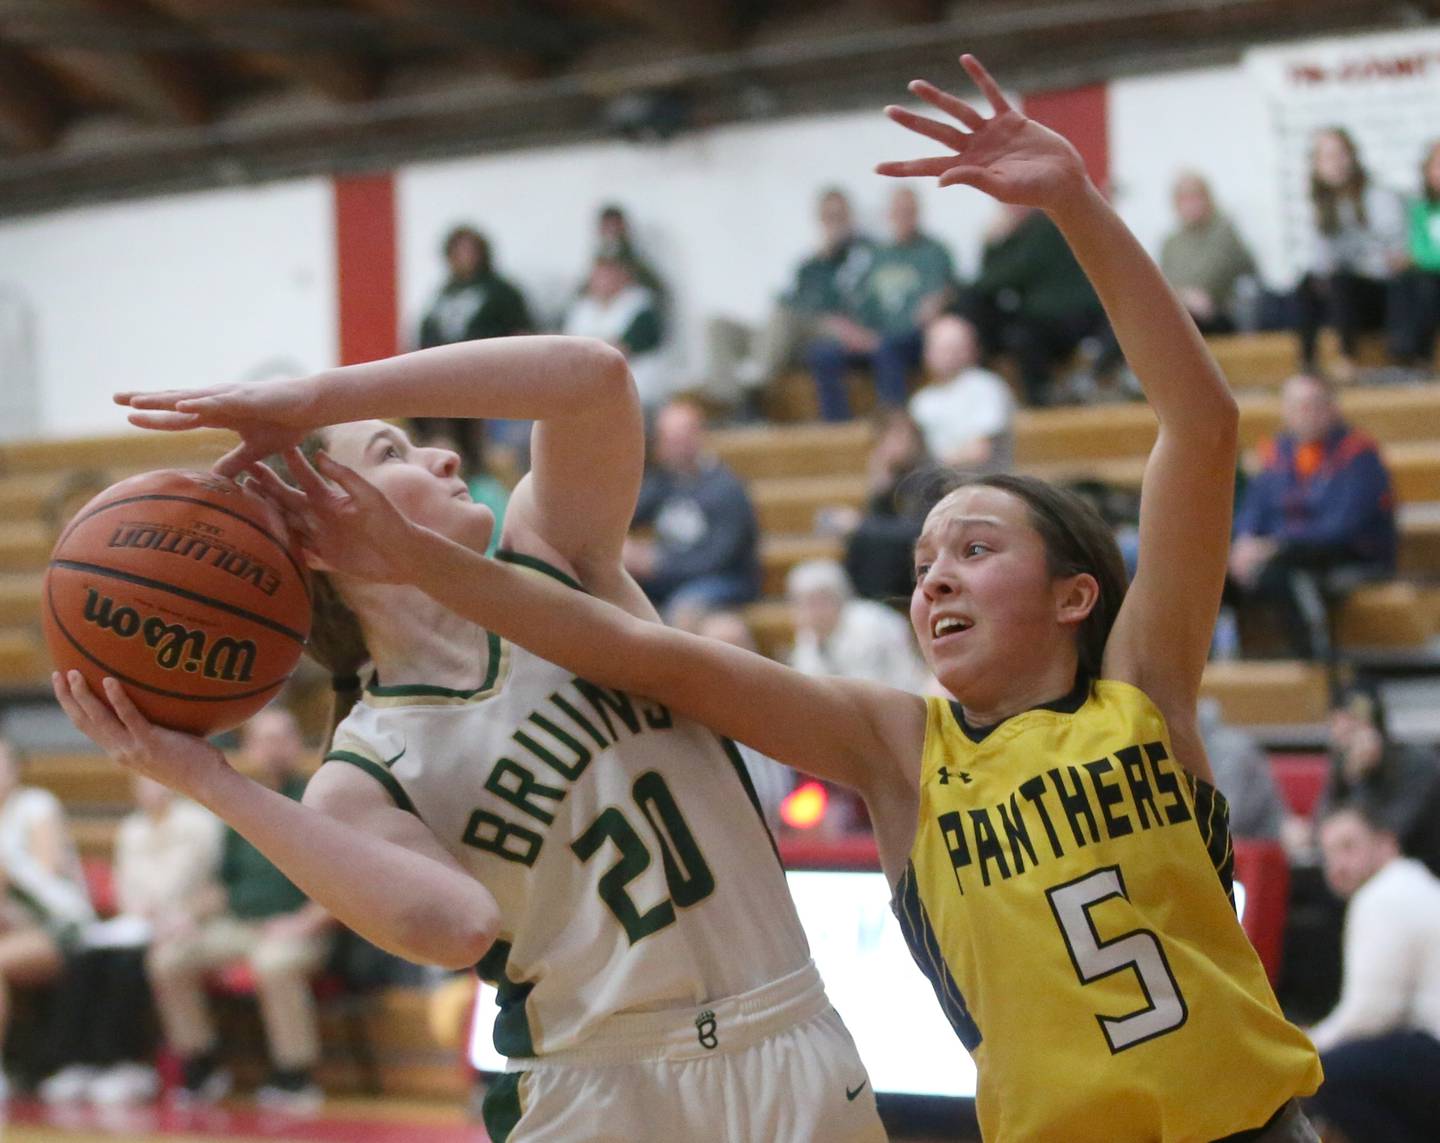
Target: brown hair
1077, 541
1327, 198
337, 641
1430, 194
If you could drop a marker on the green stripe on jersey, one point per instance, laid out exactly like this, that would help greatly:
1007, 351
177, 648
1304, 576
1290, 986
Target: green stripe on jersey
512, 1025
380, 774
501, 1110
520, 559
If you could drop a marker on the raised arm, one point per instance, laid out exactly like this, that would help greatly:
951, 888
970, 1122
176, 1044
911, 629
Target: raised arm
398, 889
1162, 635
578, 390
861, 735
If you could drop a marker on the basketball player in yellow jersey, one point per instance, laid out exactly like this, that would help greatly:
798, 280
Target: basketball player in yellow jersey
1059, 856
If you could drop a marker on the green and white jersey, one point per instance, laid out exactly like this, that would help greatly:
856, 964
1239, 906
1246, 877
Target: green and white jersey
623, 844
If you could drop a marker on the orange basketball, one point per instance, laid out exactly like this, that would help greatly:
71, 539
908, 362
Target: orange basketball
187, 588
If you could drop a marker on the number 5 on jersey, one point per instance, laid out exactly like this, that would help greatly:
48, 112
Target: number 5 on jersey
1139, 949
687, 876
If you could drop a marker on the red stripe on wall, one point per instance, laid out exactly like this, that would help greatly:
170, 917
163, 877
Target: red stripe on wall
1080, 114
367, 285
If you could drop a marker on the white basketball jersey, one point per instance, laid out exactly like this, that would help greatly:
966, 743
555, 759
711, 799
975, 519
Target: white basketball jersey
622, 843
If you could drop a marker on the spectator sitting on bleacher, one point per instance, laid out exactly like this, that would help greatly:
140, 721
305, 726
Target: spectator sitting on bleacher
704, 552
1419, 319
965, 412
45, 902
903, 483
837, 634
1358, 253
1380, 1046
1032, 300
474, 302
744, 361
167, 854
257, 916
1400, 781
772, 780
1204, 258
617, 309
1242, 774
613, 240
1316, 519
910, 283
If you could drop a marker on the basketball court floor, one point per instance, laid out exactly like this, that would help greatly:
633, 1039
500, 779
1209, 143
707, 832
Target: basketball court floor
342, 1121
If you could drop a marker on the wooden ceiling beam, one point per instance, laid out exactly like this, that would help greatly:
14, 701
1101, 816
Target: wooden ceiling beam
707, 24
31, 113
153, 86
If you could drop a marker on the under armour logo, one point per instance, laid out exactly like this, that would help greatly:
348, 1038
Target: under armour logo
705, 1028
945, 775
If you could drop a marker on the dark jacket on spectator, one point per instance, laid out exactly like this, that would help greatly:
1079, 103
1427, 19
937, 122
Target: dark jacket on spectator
483, 306
1336, 493
1031, 272
704, 525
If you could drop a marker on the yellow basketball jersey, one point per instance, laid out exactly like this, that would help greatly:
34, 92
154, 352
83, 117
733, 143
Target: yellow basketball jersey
1068, 895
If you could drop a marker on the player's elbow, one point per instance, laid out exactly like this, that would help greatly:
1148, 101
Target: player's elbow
607, 369
449, 937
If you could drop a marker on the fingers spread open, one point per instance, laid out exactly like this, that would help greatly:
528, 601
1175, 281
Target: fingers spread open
985, 83
165, 421
271, 486
311, 483
347, 478
236, 461
908, 167
942, 133
154, 398
950, 104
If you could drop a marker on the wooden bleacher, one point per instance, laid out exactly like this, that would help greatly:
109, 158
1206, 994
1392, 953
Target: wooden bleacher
793, 470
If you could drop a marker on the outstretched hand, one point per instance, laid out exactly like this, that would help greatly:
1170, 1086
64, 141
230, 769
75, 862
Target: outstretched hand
1008, 156
344, 523
269, 416
181, 761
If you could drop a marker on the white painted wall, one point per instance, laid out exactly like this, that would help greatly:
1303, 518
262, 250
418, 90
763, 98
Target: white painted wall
227, 284
1213, 121
724, 215
181, 290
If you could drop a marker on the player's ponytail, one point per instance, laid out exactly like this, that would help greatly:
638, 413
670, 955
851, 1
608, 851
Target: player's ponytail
337, 641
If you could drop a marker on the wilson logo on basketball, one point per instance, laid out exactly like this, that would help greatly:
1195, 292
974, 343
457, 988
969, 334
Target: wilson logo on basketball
176, 646
195, 544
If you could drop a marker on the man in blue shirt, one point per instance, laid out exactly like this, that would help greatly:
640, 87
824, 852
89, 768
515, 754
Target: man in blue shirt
1320, 513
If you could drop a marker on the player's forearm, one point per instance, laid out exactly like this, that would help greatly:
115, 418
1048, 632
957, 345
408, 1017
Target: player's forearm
579, 632
527, 378
402, 901
1181, 380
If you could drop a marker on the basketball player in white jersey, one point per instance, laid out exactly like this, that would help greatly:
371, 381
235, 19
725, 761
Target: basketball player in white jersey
654, 980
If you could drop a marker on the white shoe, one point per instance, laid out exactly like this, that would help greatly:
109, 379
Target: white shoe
125, 1084
69, 1084
307, 1100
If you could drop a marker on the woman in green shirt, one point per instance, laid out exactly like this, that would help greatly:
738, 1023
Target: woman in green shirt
1420, 295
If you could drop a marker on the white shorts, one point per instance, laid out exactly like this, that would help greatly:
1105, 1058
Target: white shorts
774, 1065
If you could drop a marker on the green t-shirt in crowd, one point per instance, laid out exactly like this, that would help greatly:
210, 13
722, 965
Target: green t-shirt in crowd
903, 274
1207, 256
1425, 234
256, 889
